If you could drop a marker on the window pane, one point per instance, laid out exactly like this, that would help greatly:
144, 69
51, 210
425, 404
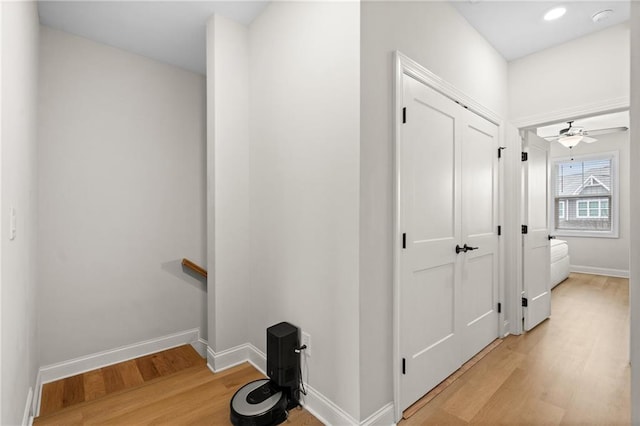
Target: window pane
583, 190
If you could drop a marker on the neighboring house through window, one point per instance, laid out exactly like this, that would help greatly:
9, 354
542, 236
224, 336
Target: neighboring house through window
585, 195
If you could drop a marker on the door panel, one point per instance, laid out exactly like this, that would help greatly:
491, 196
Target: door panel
480, 316
430, 214
478, 152
479, 230
433, 181
536, 263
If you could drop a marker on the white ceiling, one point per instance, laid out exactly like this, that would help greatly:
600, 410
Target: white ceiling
169, 31
174, 31
517, 28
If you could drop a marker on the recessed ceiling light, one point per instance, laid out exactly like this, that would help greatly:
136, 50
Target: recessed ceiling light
555, 13
602, 15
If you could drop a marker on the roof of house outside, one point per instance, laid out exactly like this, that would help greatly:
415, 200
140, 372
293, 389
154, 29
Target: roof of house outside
581, 180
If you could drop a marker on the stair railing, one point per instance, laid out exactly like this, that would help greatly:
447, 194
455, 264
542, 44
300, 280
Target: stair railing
195, 268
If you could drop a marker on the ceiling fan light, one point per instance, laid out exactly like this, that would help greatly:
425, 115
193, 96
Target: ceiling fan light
555, 13
570, 141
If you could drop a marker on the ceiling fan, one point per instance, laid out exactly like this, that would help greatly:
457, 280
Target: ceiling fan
573, 135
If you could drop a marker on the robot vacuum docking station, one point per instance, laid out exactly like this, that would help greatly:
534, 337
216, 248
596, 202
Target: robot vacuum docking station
266, 402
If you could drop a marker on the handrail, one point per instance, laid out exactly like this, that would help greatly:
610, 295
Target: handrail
195, 268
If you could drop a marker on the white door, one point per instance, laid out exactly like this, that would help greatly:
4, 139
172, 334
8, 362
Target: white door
447, 297
479, 231
536, 279
430, 218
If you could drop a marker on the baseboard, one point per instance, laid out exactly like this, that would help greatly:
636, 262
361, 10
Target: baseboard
619, 273
201, 347
27, 418
506, 328
61, 370
35, 404
220, 361
382, 417
316, 403
324, 409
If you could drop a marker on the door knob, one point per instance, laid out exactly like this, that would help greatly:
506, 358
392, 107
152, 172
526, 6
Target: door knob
552, 237
466, 247
461, 249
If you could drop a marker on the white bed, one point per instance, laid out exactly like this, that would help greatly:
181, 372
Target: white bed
559, 262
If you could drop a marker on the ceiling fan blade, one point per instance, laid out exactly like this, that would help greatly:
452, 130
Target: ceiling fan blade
597, 132
587, 139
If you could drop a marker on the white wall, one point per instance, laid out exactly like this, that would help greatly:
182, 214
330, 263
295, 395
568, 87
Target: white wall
228, 187
19, 356
579, 73
603, 253
634, 158
121, 197
304, 165
436, 36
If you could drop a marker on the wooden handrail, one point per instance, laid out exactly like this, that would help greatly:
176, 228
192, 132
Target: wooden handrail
195, 268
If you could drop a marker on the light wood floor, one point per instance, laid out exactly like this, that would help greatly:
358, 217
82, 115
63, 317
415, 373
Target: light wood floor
193, 396
572, 369
115, 378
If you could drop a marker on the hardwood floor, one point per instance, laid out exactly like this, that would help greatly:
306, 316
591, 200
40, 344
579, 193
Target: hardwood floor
125, 375
572, 369
186, 394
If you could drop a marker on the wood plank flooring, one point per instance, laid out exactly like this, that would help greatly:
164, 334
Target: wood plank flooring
163, 388
114, 378
572, 369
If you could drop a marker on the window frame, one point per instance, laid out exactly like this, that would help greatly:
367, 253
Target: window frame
588, 208
614, 204
562, 203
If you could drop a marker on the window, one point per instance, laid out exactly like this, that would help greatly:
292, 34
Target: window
562, 209
585, 195
593, 209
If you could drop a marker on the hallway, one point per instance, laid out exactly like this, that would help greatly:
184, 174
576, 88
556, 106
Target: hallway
571, 369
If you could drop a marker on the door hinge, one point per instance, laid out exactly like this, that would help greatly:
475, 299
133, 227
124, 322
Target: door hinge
500, 151
404, 240
404, 115
404, 366
499, 307
499, 230
525, 229
525, 302
525, 156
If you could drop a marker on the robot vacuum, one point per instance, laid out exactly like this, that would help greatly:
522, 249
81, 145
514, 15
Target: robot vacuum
259, 403
266, 402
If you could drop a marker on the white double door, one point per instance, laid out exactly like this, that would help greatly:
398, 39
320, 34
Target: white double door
448, 198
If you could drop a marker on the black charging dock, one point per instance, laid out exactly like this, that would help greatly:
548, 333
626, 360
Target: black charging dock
266, 402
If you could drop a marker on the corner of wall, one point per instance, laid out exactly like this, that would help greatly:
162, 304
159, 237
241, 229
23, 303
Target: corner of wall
634, 279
